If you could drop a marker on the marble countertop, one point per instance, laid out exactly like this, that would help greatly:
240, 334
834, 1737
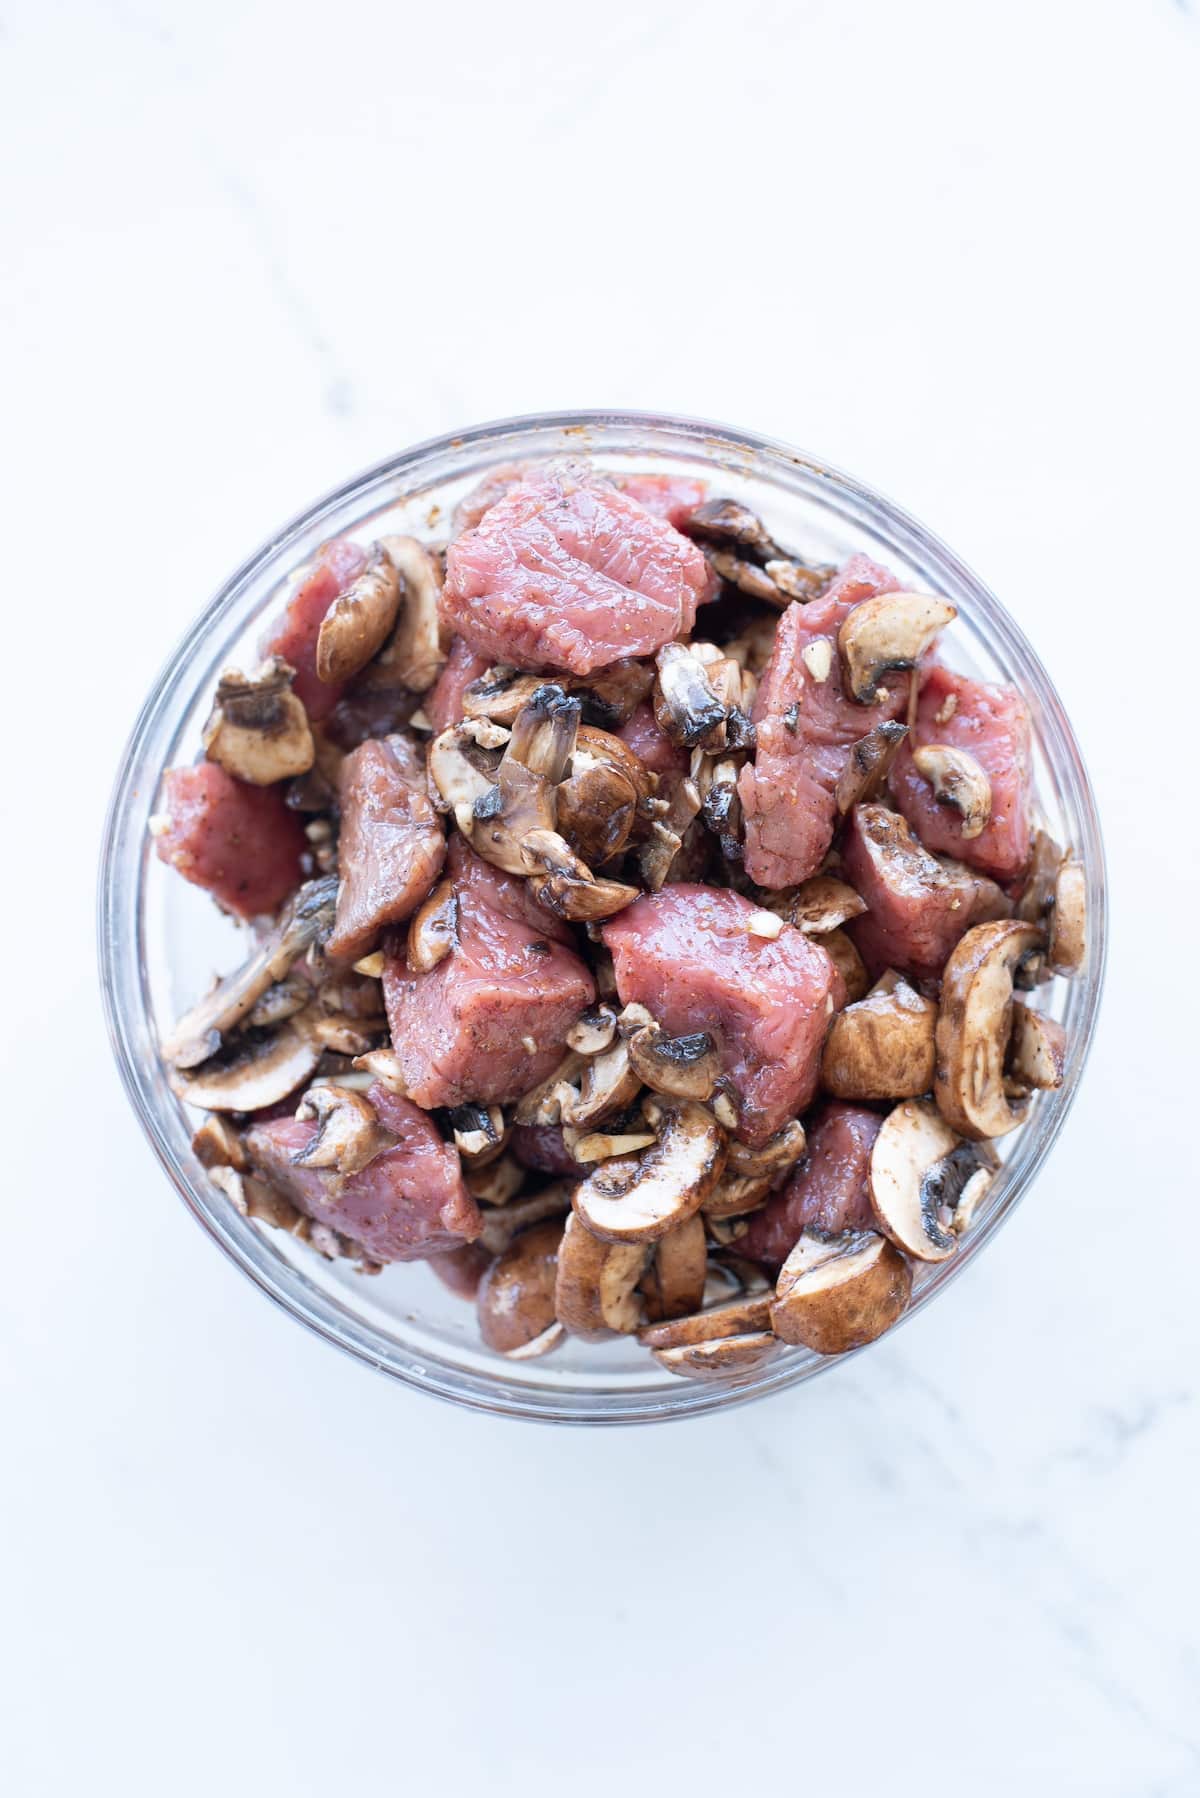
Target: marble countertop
249, 248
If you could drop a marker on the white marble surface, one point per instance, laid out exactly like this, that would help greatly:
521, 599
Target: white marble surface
247, 248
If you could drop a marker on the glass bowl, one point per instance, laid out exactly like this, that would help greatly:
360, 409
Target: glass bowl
161, 940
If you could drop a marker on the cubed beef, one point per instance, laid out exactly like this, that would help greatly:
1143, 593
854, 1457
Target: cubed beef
567, 572
827, 1192
541, 1147
408, 1203
688, 955
992, 724
294, 635
480, 499
806, 723
651, 744
444, 705
917, 904
489, 1021
391, 847
670, 496
240, 843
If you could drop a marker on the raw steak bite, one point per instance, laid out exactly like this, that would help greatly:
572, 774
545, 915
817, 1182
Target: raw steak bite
294, 635
489, 1021
827, 1192
806, 724
238, 842
444, 706
409, 1202
670, 496
391, 847
688, 955
567, 572
917, 905
992, 724
651, 744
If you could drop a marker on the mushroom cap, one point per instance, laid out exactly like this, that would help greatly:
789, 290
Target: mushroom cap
821, 904
673, 1285
258, 1073
683, 1067
258, 729
867, 764
744, 1315
881, 1047
837, 1293
1068, 921
639, 1198
957, 781
913, 1184
515, 1302
891, 631
349, 1135
413, 656
1037, 1047
356, 625
724, 1359
433, 929
595, 1293
974, 1025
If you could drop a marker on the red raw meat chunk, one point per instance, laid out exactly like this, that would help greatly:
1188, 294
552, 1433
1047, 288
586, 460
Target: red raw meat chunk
294, 635
992, 724
650, 743
541, 1147
670, 496
472, 506
827, 1192
408, 1203
567, 572
461, 1270
687, 955
444, 705
489, 1021
240, 843
391, 847
917, 905
787, 792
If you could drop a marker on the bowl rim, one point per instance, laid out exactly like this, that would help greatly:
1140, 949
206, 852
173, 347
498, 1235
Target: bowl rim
687, 1399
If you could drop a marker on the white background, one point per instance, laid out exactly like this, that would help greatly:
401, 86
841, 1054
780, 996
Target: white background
248, 248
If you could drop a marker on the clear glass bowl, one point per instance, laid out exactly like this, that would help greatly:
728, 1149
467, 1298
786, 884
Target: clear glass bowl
161, 939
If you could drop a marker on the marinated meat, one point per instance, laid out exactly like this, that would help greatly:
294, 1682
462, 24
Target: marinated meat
992, 724
806, 722
391, 848
567, 572
489, 1021
651, 744
828, 1191
444, 705
240, 843
670, 496
688, 955
472, 506
408, 1203
294, 635
918, 905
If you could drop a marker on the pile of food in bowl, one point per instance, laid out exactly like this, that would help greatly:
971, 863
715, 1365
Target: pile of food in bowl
637, 915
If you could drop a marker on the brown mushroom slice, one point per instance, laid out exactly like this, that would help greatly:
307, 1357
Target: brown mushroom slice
499, 694
881, 1047
566, 886
721, 805
1037, 899
919, 1172
543, 1103
822, 904
349, 1134
413, 656
605, 1145
593, 1031
495, 1181
837, 1293
848, 962
521, 807
724, 1359
279, 1002
748, 577
780, 1151
258, 1073
258, 1199
729, 521
258, 729
599, 803
674, 1283
357, 624
687, 709
744, 1315
462, 773
433, 929
507, 1221
682, 1067
736, 1195
515, 1301
609, 1083
868, 764
682, 803
1037, 1050
217, 1144
1068, 921
479, 1132
974, 1024
639, 1198
385, 1066
550, 1338
959, 782
889, 633
595, 1293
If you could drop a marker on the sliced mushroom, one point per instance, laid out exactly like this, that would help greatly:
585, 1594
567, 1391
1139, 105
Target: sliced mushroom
608, 1084
258, 729
257, 1198
462, 773
217, 1144
848, 962
260, 1072
502, 1225
543, 1103
889, 633
919, 1173
495, 1181
515, 1301
673, 1285
610, 696
736, 1195
595, 1292
566, 886
729, 521
657, 856
385, 1066
974, 1025
687, 709
606, 1145
479, 1132
1037, 899
413, 656
882, 1047
683, 1067
599, 804
279, 1002
837, 1293
822, 904
1068, 921
959, 782
780, 1151
721, 806
341, 1034
868, 764
638, 1198
356, 625
744, 1315
1037, 1049
724, 1359
500, 694
593, 1031
349, 1134
433, 931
